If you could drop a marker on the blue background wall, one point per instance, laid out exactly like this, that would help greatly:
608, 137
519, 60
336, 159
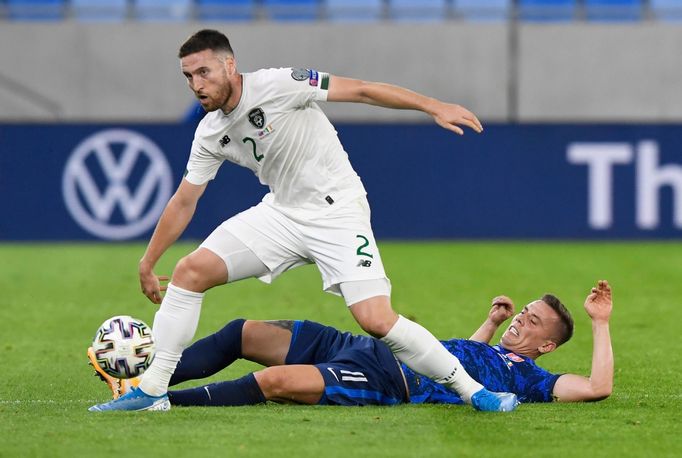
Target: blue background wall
513, 181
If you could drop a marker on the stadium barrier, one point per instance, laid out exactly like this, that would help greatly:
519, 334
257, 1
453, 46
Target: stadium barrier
104, 182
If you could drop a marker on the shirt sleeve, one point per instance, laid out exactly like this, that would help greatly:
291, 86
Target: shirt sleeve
299, 87
202, 165
536, 384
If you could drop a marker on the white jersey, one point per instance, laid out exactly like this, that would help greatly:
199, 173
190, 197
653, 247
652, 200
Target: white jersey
278, 131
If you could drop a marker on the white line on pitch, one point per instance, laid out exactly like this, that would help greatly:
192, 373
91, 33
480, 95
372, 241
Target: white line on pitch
45, 401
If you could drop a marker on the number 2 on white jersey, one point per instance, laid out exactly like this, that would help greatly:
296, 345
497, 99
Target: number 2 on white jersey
256, 156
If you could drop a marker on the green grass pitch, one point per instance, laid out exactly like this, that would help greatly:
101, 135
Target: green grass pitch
54, 296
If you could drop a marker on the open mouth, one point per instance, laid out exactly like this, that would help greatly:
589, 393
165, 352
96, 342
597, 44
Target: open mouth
514, 331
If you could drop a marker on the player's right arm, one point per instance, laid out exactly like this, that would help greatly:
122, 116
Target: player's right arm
502, 309
174, 219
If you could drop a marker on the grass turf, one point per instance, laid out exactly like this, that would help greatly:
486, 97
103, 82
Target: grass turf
55, 296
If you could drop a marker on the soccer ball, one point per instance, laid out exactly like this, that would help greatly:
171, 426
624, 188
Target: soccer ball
123, 346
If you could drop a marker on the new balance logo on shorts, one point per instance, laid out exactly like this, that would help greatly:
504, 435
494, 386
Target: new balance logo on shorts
364, 263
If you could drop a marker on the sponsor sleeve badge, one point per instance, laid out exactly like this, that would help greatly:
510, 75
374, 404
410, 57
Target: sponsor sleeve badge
300, 74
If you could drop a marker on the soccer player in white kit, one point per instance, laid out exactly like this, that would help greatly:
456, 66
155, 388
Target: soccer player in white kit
316, 211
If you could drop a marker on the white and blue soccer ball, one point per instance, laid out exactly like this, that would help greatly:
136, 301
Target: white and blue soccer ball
124, 346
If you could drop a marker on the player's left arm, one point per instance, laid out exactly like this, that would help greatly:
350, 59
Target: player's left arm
598, 386
447, 115
501, 310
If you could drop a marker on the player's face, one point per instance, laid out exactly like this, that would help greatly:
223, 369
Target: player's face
207, 77
530, 332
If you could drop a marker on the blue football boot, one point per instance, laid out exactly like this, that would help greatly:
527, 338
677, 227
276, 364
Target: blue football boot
136, 399
488, 401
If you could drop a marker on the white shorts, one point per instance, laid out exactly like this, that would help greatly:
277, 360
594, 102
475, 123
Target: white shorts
340, 243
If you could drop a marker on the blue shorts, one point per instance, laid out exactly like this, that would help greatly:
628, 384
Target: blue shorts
357, 370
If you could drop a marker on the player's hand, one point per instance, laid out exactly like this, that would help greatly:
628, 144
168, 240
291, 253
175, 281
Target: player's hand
501, 311
599, 304
151, 284
451, 116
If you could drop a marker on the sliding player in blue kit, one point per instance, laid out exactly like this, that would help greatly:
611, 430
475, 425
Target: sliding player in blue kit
314, 364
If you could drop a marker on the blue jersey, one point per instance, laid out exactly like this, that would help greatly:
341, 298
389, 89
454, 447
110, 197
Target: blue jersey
495, 367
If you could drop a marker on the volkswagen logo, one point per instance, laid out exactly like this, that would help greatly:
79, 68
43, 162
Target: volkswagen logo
116, 184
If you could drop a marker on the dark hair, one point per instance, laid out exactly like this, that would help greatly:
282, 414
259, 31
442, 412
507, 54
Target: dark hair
205, 39
565, 331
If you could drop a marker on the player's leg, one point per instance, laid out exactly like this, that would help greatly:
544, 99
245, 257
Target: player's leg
350, 264
267, 342
410, 342
297, 384
176, 321
357, 370
365, 377
271, 342
178, 316
220, 259
346, 253
263, 342
416, 347
174, 326
210, 354
257, 242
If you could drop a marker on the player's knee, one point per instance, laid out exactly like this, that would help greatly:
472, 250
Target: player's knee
272, 383
250, 337
376, 322
375, 316
230, 335
199, 271
377, 327
188, 275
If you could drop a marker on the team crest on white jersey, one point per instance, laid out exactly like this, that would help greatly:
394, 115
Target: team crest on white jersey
257, 118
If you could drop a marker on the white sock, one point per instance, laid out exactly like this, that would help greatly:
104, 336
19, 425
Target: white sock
422, 352
174, 326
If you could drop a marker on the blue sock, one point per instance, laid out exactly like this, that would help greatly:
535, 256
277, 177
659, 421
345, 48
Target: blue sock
211, 354
241, 392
